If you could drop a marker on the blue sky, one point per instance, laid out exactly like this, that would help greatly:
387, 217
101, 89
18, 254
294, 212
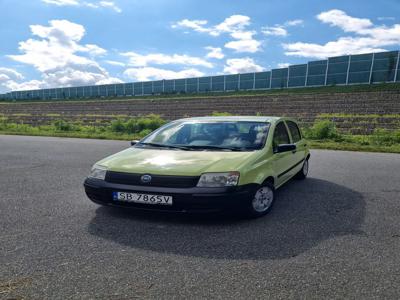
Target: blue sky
53, 43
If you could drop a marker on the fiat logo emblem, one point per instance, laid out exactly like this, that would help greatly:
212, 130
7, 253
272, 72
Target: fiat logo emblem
145, 178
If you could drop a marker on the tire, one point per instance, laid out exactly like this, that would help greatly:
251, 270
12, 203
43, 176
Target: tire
259, 206
302, 174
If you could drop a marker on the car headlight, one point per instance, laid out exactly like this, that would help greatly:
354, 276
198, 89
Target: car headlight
98, 172
218, 179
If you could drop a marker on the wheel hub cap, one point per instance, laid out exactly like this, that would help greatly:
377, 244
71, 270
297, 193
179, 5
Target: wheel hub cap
305, 167
263, 199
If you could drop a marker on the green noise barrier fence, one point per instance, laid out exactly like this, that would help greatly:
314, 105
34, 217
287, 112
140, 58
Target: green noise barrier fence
342, 70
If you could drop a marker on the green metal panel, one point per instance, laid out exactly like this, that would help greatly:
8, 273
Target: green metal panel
262, 80
147, 88
138, 88
128, 89
384, 68
297, 75
158, 87
103, 90
337, 70
231, 82
360, 68
191, 85
169, 86
279, 78
217, 83
246, 81
205, 84
180, 85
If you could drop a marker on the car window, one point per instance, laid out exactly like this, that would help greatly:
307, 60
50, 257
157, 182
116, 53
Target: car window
294, 131
281, 135
240, 135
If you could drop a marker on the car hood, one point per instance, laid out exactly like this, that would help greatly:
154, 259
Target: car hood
175, 162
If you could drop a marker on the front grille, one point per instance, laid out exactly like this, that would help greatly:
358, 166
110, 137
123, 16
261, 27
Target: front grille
156, 180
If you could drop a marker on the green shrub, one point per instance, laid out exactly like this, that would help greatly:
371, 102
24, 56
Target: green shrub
322, 130
136, 125
61, 125
117, 125
145, 132
384, 137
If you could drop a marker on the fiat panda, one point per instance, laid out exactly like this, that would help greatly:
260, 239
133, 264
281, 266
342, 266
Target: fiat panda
205, 164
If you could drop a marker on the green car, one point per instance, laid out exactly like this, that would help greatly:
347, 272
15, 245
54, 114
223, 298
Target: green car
205, 164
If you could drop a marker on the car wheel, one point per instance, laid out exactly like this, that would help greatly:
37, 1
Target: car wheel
302, 174
262, 201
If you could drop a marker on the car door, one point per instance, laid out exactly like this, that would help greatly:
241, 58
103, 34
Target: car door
282, 162
300, 143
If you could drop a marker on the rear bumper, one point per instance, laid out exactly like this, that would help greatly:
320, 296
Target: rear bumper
184, 199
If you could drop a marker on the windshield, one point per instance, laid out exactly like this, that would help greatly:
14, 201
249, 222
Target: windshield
212, 136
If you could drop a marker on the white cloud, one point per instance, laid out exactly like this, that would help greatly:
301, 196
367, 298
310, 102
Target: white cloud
109, 4
368, 37
244, 45
62, 2
283, 65
196, 25
59, 56
234, 25
214, 52
11, 73
115, 63
97, 4
150, 73
339, 18
296, 22
94, 50
277, 30
12, 85
241, 65
280, 29
8, 78
139, 60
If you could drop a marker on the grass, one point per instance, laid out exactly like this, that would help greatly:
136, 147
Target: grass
284, 91
119, 129
322, 135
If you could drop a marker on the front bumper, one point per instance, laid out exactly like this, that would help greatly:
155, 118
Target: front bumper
193, 199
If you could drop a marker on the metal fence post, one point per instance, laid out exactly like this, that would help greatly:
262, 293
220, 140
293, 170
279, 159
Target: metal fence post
224, 82
397, 66
306, 79
270, 79
326, 71
287, 79
348, 69
238, 87
372, 67
254, 81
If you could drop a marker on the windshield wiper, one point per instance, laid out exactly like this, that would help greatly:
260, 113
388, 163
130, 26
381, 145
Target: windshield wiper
210, 147
164, 146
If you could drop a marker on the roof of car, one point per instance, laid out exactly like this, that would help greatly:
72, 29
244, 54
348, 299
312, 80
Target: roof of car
235, 118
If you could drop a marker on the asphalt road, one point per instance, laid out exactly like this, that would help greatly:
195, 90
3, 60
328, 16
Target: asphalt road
334, 235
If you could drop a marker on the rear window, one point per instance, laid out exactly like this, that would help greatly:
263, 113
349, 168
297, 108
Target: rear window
294, 131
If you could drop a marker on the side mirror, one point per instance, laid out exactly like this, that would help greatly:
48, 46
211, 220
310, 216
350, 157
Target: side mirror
134, 142
285, 148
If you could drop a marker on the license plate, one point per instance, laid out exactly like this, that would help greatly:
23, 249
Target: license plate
142, 198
